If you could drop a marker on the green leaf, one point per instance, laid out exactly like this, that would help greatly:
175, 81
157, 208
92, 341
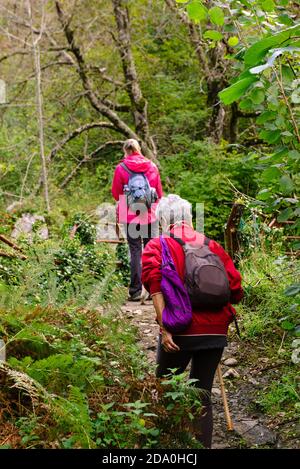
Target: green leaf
294, 154
270, 136
287, 325
258, 50
246, 104
271, 174
268, 5
287, 73
233, 41
264, 194
257, 96
295, 97
216, 16
196, 11
285, 19
214, 35
286, 184
285, 215
292, 290
266, 116
270, 62
181, 1
235, 91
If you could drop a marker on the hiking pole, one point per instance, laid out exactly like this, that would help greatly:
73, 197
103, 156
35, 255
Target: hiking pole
224, 397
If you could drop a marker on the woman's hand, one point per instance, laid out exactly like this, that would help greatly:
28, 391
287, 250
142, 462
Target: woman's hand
168, 343
166, 337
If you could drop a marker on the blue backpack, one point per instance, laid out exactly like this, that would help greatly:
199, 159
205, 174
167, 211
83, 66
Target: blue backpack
138, 190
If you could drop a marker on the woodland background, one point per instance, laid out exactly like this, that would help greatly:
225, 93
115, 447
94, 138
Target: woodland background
212, 91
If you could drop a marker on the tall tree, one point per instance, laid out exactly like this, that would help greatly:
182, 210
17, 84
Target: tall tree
100, 103
39, 98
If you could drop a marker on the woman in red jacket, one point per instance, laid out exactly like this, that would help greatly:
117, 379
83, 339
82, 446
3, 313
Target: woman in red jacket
140, 226
204, 340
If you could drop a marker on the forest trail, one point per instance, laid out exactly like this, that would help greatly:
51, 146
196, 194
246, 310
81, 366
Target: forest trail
250, 428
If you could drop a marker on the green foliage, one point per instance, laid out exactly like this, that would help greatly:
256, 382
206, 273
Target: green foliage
279, 116
85, 230
93, 389
123, 259
282, 393
205, 174
266, 309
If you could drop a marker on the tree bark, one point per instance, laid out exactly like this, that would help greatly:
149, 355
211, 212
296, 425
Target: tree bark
96, 101
39, 99
212, 68
138, 102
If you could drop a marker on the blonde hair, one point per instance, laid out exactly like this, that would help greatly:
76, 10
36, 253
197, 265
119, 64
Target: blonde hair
131, 145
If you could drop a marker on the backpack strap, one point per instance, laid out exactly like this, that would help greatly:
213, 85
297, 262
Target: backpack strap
182, 243
127, 169
179, 240
206, 241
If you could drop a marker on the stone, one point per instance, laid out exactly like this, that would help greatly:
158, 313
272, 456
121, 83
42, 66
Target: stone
216, 391
147, 331
264, 359
25, 227
254, 433
253, 381
2, 351
231, 362
231, 373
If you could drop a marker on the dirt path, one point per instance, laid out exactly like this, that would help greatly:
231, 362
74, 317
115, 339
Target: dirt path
251, 429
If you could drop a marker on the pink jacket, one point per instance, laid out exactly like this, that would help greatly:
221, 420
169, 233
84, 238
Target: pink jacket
138, 163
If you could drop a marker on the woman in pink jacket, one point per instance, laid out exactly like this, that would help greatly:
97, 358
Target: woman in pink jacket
139, 220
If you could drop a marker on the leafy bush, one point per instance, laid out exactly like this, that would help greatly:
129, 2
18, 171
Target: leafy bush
266, 309
203, 174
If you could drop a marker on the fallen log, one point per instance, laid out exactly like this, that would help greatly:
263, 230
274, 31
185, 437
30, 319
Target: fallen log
16, 256
10, 243
112, 241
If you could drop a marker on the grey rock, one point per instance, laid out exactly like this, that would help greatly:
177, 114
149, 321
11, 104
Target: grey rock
216, 391
254, 433
231, 373
24, 227
138, 311
253, 381
231, 362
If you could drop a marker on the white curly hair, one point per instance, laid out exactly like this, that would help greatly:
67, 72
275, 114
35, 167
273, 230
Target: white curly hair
173, 209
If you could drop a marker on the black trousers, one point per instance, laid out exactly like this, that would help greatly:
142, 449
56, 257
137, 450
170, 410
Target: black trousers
203, 368
138, 236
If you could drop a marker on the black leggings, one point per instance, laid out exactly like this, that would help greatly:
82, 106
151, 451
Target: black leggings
203, 368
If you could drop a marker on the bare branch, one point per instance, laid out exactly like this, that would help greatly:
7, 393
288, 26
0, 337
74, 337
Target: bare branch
194, 37
87, 159
95, 101
138, 102
76, 132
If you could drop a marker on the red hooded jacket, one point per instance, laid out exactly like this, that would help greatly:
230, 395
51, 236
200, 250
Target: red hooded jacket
203, 322
139, 164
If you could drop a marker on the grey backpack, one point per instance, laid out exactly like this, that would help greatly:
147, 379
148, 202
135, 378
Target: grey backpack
205, 276
138, 190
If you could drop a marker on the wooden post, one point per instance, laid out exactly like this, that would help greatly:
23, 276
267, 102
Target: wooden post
231, 230
224, 397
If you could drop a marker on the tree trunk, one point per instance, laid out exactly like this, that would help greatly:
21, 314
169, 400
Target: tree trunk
100, 104
39, 99
138, 102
